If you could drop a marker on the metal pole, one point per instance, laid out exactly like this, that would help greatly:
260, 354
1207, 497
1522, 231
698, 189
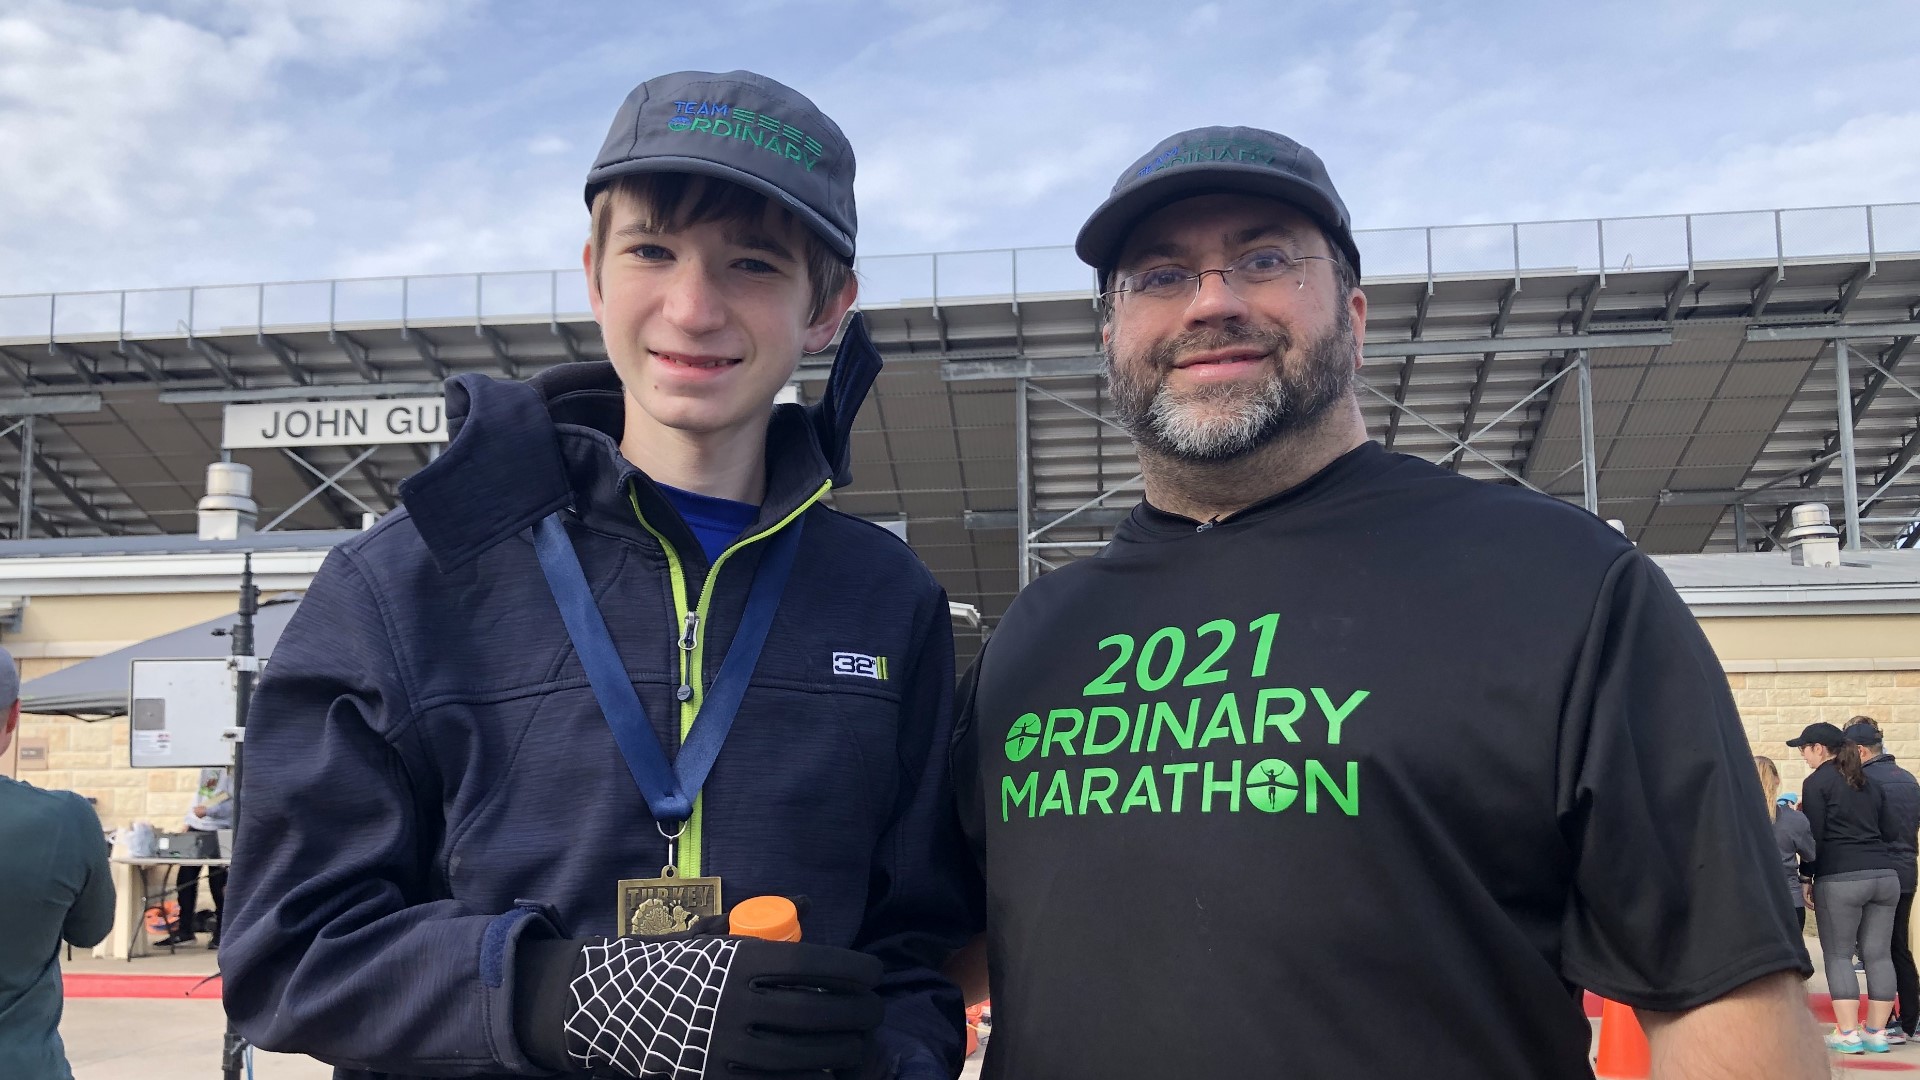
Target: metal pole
1022, 483
1843, 407
1739, 526
1689, 220
233, 1049
25, 529
1589, 468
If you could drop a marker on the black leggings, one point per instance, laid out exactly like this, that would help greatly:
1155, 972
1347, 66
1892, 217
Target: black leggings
1904, 977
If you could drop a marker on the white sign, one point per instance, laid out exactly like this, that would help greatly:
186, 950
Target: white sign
179, 711
335, 423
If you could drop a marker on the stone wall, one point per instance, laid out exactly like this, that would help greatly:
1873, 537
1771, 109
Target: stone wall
1776, 705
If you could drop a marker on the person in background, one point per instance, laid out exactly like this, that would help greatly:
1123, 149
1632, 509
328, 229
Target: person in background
1855, 890
54, 887
1791, 833
1902, 794
212, 811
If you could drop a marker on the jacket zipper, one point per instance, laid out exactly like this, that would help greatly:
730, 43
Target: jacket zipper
690, 624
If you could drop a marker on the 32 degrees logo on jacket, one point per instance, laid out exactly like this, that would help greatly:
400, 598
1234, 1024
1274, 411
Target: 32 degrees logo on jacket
860, 665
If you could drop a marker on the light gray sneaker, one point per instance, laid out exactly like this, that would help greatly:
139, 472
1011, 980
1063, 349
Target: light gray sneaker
1874, 1042
1845, 1042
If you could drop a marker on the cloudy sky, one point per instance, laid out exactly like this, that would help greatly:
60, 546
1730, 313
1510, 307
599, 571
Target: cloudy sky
239, 140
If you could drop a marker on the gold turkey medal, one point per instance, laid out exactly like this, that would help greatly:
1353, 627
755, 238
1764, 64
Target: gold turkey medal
668, 904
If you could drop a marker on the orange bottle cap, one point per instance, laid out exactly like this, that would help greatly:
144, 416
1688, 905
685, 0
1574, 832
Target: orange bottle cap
771, 918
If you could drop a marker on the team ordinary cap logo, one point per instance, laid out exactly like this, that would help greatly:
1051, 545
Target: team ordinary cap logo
740, 127
1212, 161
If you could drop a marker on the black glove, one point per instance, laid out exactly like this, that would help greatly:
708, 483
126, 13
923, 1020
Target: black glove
694, 1006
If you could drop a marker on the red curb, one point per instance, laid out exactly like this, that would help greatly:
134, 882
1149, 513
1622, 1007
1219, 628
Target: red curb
95, 985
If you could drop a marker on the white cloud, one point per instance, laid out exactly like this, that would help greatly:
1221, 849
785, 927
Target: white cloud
1866, 159
221, 140
129, 128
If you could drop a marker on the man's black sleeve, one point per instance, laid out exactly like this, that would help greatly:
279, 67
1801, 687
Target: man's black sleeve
338, 946
1677, 896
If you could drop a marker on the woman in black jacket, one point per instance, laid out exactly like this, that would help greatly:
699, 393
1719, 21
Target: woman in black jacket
1855, 890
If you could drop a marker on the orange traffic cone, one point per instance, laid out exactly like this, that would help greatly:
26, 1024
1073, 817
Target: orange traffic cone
1623, 1046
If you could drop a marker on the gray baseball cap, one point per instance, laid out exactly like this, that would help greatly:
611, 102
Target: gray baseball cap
741, 127
1211, 161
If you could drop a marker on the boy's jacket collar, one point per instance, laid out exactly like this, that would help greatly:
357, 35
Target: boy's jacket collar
514, 457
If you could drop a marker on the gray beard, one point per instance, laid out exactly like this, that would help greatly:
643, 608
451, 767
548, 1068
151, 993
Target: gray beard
1212, 424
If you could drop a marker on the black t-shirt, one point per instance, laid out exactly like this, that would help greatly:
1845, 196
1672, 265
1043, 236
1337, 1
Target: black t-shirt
1392, 747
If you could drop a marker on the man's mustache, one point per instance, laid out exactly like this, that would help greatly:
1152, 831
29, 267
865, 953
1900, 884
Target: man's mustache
1163, 355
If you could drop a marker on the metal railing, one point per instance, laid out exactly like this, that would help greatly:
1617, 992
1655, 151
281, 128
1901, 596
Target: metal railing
1675, 242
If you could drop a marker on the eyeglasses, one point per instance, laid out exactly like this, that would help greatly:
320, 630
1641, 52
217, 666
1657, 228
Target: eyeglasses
1243, 277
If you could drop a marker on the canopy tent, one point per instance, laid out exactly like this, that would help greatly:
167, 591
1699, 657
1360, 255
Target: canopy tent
97, 689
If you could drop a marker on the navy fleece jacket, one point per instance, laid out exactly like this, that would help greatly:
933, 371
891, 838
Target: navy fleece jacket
428, 780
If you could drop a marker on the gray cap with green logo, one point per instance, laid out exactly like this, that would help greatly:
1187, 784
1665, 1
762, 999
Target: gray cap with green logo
1211, 161
741, 127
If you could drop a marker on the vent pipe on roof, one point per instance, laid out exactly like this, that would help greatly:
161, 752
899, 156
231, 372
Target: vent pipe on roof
228, 510
1811, 539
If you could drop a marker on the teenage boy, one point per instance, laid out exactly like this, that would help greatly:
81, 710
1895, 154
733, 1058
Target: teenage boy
615, 666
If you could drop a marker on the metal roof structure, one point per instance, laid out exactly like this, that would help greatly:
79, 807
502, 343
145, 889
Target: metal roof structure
1769, 583
1707, 344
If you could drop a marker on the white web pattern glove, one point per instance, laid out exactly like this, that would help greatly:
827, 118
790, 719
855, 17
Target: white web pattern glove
647, 1008
704, 1005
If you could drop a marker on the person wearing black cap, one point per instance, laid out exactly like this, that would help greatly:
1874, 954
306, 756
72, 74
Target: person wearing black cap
616, 666
1214, 774
1902, 794
1855, 889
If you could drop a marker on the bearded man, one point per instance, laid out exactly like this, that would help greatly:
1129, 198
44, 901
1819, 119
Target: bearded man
1328, 733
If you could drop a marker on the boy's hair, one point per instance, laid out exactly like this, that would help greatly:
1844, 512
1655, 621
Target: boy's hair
674, 201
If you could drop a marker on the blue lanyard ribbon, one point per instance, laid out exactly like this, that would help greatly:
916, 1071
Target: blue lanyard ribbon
669, 789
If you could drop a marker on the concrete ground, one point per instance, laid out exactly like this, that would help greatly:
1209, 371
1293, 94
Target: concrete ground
161, 1039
